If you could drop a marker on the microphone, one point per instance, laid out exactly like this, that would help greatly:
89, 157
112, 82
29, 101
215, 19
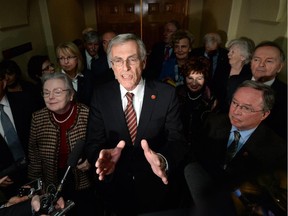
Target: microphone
76, 153
72, 162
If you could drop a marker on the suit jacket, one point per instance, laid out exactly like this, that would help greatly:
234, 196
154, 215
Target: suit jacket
19, 209
263, 153
277, 120
159, 124
22, 106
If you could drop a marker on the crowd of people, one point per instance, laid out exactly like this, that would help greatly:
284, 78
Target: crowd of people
179, 128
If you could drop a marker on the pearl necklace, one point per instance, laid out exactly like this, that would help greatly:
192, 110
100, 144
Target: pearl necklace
64, 119
193, 98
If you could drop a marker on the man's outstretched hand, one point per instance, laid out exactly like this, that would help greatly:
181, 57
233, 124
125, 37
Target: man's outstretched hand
156, 161
108, 159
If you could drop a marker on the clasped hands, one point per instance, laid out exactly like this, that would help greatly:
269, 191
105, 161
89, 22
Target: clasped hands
108, 159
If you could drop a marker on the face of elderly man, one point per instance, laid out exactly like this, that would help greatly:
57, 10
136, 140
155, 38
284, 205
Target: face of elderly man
266, 63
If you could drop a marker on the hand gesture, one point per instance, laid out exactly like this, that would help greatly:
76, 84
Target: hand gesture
107, 160
156, 161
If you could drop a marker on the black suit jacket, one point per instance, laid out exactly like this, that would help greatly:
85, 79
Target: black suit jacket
263, 153
19, 209
277, 120
22, 106
159, 124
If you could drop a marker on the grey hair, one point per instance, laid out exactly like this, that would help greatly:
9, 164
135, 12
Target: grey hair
91, 36
122, 38
268, 93
61, 76
211, 38
246, 49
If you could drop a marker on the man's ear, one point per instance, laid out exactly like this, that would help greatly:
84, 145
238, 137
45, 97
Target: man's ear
265, 115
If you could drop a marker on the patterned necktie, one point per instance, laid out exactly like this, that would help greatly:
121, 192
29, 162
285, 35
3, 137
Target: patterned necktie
166, 52
11, 136
232, 149
131, 118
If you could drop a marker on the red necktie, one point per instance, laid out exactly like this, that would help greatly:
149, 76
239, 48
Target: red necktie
131, 118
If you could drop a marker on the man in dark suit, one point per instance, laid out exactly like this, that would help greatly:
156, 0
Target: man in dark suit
161, 51
137, 170
267, 62
259, 154
19, 106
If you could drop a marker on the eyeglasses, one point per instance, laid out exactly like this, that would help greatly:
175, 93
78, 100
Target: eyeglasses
119, 62
62, 59
244, 108
48, 67
56, 92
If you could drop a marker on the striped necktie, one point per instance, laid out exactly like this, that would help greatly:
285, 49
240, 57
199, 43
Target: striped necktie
131, 118
232, 149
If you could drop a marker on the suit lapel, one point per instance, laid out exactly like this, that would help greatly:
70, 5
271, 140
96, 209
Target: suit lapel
149, 101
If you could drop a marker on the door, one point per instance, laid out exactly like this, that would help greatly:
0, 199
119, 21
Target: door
145, 18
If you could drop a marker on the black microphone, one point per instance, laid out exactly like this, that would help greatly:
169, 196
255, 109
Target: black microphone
76, 153
72, 162
18, 165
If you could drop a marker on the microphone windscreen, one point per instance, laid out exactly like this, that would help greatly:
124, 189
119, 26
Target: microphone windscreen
76, 153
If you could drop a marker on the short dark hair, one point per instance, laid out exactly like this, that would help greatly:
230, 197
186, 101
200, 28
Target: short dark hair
268, 93
9, 66
199, 64
35, 66
175, 23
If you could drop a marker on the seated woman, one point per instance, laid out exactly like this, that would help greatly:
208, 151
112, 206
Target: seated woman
195, 97
239, 55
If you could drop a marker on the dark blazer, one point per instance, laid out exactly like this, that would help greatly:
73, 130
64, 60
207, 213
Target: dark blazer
263, 153
85, 88
19, 209
277, 120
154, 61
159, 124
233, 82
22, 106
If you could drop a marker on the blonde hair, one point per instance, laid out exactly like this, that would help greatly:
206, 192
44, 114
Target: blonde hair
69, 48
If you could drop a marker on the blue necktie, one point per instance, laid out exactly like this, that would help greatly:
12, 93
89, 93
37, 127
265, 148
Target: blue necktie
11, 136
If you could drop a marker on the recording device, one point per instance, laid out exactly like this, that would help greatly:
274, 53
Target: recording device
31, 188
49, 199
16, 166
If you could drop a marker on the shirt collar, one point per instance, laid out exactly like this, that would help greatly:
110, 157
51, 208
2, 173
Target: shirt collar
139, 88
5, 101
78, 74
269, 83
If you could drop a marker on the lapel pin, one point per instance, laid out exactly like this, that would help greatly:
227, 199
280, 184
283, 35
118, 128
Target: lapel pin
153, 97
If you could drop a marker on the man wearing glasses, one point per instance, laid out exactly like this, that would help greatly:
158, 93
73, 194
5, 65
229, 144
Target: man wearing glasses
258, 152
134, 135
